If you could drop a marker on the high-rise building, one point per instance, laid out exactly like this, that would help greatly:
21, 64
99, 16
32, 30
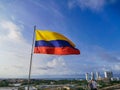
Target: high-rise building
108, 74
92, 76
97, 75
87, 76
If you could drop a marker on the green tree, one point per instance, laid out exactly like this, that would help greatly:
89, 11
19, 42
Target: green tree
4, 83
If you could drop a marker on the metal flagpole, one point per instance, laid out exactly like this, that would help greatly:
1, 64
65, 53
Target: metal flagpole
31, 58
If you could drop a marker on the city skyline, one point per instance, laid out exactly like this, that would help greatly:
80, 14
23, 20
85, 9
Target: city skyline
93, 26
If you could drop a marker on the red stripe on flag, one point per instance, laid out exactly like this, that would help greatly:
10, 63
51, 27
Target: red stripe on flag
56, 50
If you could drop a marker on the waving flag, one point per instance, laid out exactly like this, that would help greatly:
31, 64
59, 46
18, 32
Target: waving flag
48, 42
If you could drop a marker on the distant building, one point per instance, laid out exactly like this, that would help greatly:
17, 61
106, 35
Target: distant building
92, 76
118, 79
15, 85
115, 79
30, 88
87, 76
108, 74
97, 75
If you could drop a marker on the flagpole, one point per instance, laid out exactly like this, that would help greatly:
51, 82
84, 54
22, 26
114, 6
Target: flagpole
31, 58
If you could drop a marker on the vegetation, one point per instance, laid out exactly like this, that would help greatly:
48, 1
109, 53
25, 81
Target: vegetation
77, 84
4, 83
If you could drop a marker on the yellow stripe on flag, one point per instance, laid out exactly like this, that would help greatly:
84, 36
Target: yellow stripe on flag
49, 35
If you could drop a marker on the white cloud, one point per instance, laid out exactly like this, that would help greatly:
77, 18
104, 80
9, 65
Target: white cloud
11, 31
56, 66
88, 4
97, 58
56, 62
116, 67
14, 50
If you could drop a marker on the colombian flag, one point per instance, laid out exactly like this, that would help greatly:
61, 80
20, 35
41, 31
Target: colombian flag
48, 42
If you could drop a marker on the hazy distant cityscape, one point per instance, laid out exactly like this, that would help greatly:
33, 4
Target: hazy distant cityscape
63, 83
97, 76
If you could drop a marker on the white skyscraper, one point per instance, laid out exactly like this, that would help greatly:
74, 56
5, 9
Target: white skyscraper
108, 74
97, 75
87, 76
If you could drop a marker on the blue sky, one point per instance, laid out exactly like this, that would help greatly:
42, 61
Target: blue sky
93, 25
